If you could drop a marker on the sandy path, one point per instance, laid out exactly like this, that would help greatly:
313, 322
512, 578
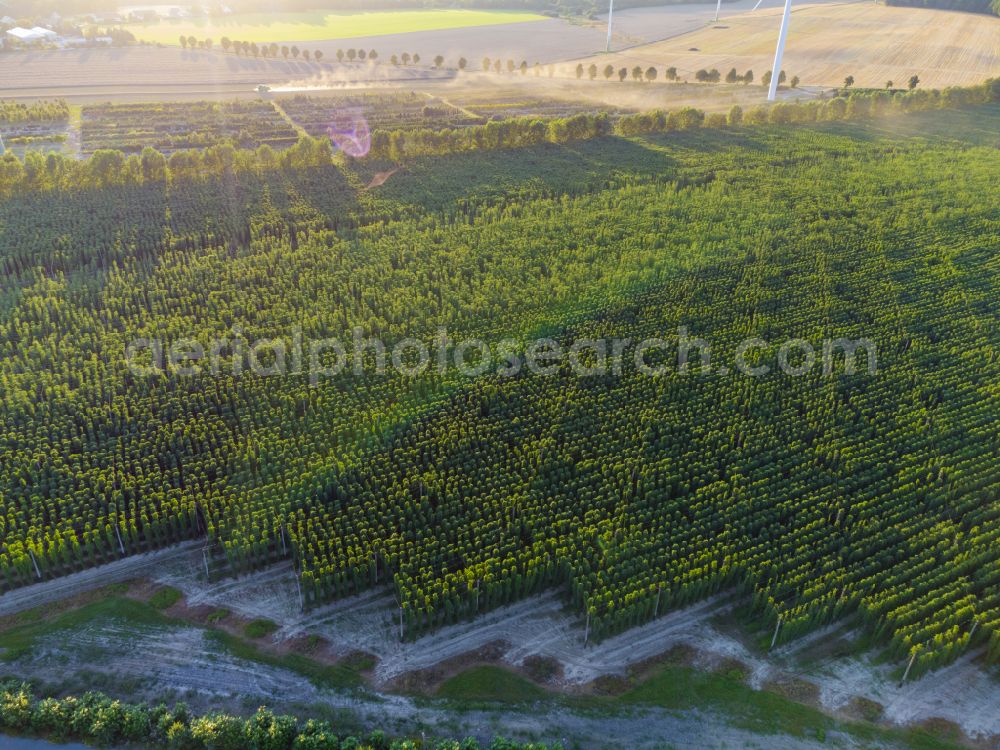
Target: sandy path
963, 693
134, 566
183, 660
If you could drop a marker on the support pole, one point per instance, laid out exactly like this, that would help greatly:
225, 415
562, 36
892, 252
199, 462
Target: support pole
35, 563
120, 545
400, 624
298, 585
718, 7
909, 666
656, 609
611, 16
779, 52
586, 632
777, 627
204, 557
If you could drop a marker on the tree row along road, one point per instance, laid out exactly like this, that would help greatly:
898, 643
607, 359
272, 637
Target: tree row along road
134, 566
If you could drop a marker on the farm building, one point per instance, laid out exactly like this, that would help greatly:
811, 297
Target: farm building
34, 35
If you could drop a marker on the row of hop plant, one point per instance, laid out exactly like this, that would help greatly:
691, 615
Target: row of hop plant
788, 588
635, 494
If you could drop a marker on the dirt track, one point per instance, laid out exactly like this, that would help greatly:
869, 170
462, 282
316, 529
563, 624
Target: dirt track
541, 626
184, 660
135, 566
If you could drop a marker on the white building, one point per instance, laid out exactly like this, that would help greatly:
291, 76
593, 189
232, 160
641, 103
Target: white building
34, 35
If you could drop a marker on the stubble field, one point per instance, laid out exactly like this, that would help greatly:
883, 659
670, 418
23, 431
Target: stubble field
828, 42
320, 25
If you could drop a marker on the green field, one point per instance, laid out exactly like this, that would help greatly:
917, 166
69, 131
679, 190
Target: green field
315, 26
820, 496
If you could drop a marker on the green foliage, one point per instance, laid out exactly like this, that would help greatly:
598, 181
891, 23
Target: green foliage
635, 494
165, 598
102, 721
13, 112
486, 684
259, 628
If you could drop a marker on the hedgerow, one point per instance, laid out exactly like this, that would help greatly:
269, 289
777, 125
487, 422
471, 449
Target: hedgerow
113, 166
103, 721
12, 112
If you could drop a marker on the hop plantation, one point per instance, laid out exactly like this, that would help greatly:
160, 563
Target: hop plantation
817, 496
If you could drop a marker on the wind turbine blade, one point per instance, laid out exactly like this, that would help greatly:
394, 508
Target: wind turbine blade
779, 53
611, 16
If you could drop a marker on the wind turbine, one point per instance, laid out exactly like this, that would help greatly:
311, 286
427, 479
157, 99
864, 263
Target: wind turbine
779, 52
611, 15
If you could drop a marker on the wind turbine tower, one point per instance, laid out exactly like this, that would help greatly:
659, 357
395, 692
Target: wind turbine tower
779, 52
611, 15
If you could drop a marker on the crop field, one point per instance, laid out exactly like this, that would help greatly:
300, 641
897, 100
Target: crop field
169, 127
320, 25
382, 111
833, 493
828, 42
500, 106
41, 126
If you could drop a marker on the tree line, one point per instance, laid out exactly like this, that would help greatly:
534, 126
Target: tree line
39, 172
12, 112
95, 718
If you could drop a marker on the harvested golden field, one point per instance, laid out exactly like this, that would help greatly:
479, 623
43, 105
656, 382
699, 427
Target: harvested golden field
828, 42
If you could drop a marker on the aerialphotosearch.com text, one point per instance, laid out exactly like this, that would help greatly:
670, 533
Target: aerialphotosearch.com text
320, 359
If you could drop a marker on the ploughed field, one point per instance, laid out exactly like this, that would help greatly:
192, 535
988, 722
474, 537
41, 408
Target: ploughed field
818, 495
